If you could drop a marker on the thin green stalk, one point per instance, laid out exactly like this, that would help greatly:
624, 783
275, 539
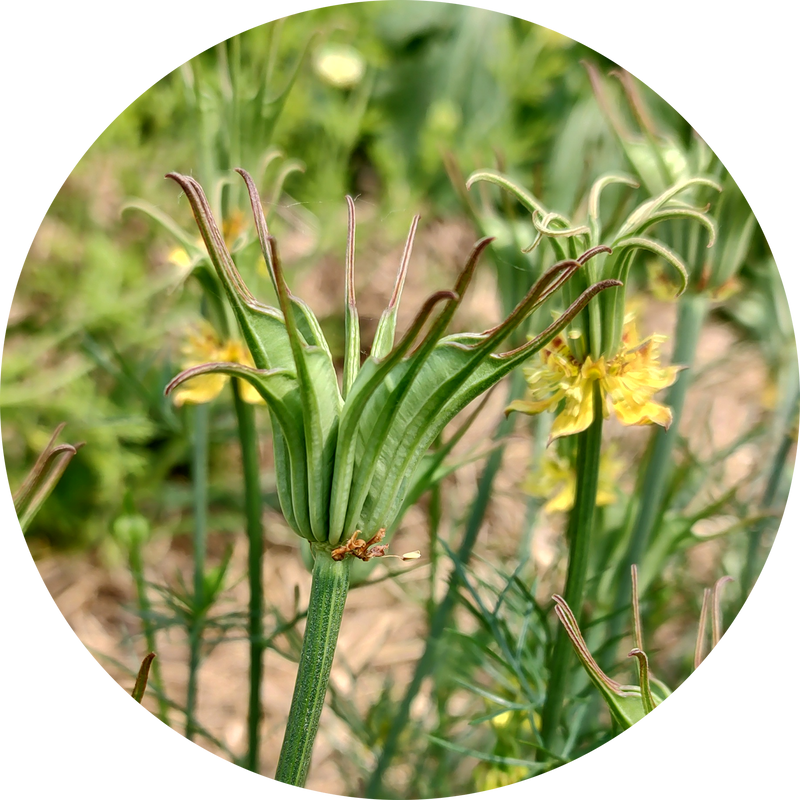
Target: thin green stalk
245, 416
136, 563
579, 536
200, 504
534, 504
329, 583
441, 616
751, 564
691, 315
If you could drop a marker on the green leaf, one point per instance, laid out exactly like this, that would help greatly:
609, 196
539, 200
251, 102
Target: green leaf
624, 246
383, 342
281, 392
497, 178
352, 334
262, 327
641, 214
42, 478
624, 702
371, 376
385, 411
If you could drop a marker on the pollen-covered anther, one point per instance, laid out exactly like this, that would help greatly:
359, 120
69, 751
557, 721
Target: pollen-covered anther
366, 550
361, 549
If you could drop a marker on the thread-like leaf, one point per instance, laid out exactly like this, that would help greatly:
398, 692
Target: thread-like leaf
625, 246
384, 335
497, 178
352, 334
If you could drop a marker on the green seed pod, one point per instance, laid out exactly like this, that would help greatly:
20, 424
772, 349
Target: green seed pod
346, 454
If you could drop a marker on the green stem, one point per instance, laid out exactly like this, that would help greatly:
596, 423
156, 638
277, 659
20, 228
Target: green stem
691, 315
329, 583
200, 503
245, 416
136, 563
579, 536
441, 616
751, 564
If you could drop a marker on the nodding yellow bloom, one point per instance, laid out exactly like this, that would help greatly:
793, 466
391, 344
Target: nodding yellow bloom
555, 481
627, 382
202, 346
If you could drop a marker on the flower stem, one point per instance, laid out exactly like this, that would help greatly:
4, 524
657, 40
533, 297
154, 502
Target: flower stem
248, 441
329, 583
579, 536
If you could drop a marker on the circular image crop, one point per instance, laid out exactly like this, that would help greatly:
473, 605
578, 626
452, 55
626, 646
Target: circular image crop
426, 427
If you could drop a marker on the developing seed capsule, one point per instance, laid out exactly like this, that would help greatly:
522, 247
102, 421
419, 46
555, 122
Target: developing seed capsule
345, 452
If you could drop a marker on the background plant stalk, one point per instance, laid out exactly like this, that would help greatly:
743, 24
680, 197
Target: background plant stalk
248, 441
692, 313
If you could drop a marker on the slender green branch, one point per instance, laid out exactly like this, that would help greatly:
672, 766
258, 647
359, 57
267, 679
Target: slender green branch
245, 416
136, 563
330, 581
200, 504
788, 439
579, 536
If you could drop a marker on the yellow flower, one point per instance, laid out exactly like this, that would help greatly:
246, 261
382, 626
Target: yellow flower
555, 481
203, 346
489, 776
627, 382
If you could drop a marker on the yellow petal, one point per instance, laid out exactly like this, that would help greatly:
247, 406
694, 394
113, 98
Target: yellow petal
578, 412
202, 389
647, 413
249, 393
564, 500
530, 406
634, 377
202, 346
